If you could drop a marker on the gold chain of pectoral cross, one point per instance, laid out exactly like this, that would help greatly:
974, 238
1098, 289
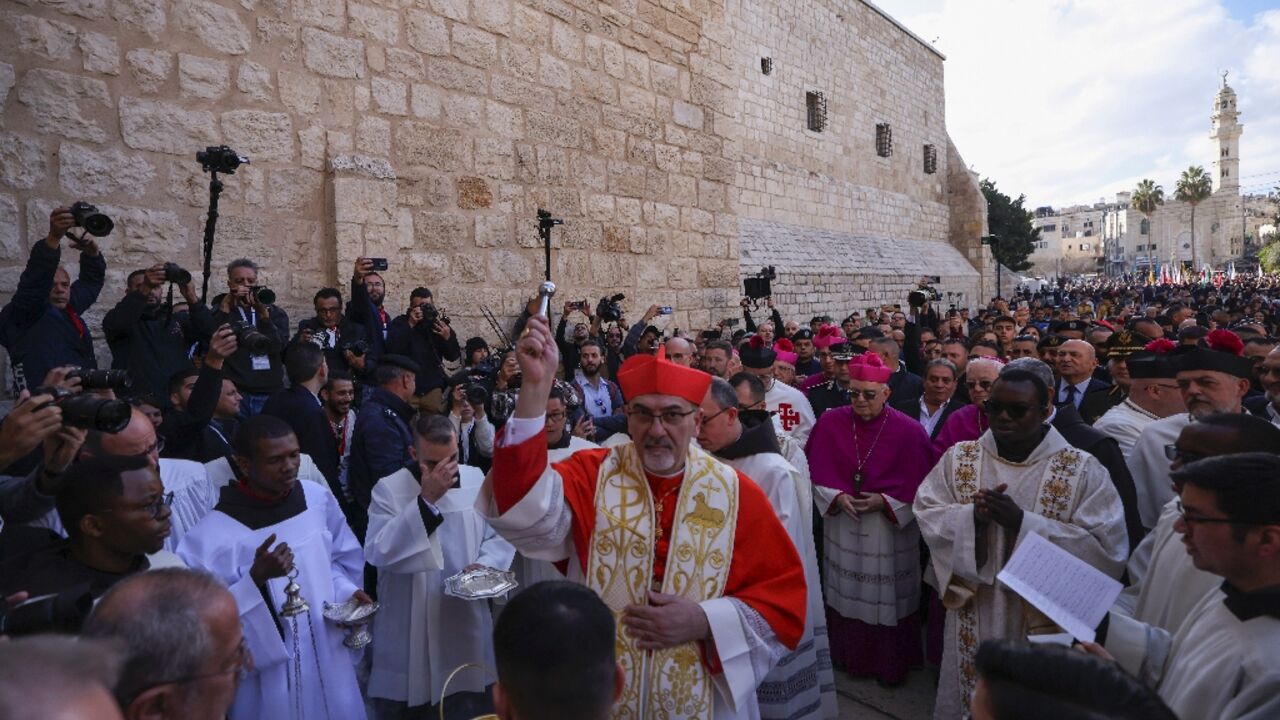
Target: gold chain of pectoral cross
660, 505
857, 456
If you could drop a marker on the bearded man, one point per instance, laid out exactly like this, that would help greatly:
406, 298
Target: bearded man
659, 530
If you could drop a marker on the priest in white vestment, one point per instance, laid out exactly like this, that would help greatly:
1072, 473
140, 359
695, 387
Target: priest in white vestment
983, 498
1223, 661
265, 525
802, 685
688, 554
1164, 585
1153, 395
423, 529
1213, 378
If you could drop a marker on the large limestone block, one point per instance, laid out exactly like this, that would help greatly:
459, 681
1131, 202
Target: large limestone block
426, 144
22, 161
150, 68
202, 77
162, 127
49, 39
58, 102
146, 15
101, 53
332, 55
11, 244
260, 135
217, 26
85, 172
364, 201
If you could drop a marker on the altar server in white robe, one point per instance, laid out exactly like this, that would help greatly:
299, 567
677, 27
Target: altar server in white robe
423, 529
1214, 378
983, 498
1164, 585
1153, 395
802, 685
1223, 662
265, 524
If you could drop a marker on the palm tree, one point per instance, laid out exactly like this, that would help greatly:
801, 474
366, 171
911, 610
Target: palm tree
1146, 198
1193, 187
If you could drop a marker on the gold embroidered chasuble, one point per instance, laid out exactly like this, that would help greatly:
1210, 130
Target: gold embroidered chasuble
674, 683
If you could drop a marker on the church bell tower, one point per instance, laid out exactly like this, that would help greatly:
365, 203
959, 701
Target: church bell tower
1226, 133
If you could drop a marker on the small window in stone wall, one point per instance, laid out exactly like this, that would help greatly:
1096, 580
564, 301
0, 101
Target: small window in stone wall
816, 104
884, 140
766, 65
930, 159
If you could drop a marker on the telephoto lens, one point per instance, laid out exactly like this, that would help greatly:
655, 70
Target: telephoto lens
264, 295
61, 613
88, 412
248, 337
117, 380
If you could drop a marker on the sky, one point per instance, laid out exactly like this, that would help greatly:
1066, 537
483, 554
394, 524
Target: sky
1072, 101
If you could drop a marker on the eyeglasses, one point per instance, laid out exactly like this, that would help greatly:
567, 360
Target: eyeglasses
984, 384
241, 664
556, 416
709, 418
1202, 520
752, 406
669, 418
1015, 411
161, 501
1172, 452
867, 395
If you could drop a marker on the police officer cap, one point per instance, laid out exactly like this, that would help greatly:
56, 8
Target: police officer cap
400, 361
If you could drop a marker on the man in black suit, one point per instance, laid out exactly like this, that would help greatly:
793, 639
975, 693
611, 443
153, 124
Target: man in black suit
1078, 387
1267, 405
938, 400
299, 405
1067, 421
903, 384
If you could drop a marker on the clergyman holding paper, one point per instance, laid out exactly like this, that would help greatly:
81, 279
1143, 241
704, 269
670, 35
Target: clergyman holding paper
984, 498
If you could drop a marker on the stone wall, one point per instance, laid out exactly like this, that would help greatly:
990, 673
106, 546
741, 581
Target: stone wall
846, 227
430, 131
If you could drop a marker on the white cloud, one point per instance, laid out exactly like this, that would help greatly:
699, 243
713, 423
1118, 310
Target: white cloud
1074, 100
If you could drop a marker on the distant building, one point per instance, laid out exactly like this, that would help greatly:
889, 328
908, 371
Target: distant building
1115, 238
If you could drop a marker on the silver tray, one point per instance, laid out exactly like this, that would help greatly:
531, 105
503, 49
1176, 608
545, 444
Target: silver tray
349, 612
480, 584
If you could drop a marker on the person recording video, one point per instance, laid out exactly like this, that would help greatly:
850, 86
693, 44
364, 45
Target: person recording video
261, 331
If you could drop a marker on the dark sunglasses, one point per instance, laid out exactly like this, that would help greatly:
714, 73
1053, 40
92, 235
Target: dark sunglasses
1172, 452
1015, 411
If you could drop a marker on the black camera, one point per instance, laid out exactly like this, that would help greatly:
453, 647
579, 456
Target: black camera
117, 380
220, 159
88, 217
760, 286
89, 412
64, 612
263, 295
175, 273
357, 347
431, 314
609, 309
476, 394
379, 264
248, 337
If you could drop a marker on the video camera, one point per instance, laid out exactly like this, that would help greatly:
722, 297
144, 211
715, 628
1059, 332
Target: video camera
431, 314
609, 309
88, 412
220, 159
357, 347
927, 292
759, 285
175, 273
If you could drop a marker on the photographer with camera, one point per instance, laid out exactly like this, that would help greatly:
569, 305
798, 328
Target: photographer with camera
147, 337
582, 331
423, 335
261, 332
643, 337
773, 325
41, 326
34, 424
368, 290
204, 405
475, 433
345, 344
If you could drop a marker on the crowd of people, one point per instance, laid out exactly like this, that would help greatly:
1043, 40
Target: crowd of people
704, 524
